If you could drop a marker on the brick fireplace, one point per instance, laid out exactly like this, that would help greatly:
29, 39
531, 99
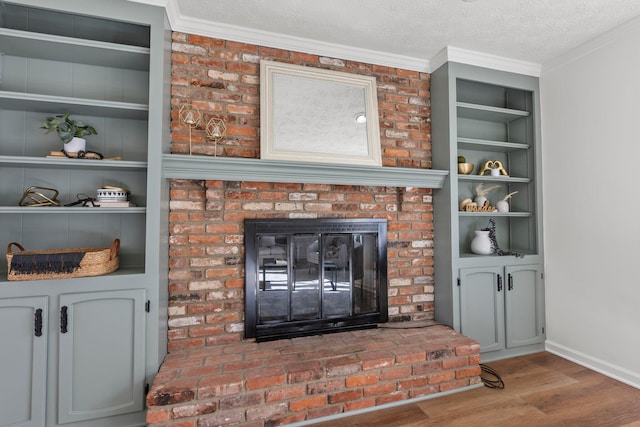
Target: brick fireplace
207, 253
213, 375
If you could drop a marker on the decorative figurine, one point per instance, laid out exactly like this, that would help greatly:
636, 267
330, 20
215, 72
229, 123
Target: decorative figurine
494, 167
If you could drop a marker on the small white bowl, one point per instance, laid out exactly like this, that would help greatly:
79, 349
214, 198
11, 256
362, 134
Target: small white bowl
112, 195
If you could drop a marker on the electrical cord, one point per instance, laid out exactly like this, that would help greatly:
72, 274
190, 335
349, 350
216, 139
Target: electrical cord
408, 325
490, 378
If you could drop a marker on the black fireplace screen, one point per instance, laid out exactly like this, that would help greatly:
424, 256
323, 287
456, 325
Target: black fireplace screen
311, 276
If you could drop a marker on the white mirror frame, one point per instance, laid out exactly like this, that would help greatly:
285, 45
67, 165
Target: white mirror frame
312, 143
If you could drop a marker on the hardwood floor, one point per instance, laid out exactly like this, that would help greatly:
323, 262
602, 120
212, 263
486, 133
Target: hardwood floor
540, 390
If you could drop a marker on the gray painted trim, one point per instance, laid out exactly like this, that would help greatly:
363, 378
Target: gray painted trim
241, 169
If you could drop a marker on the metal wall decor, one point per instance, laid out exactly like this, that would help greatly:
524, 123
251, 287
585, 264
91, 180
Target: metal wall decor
216, 131
190, 116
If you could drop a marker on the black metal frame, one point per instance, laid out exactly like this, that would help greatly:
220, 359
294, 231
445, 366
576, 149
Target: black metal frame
256, 227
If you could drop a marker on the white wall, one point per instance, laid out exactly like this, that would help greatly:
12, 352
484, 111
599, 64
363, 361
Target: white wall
591, 172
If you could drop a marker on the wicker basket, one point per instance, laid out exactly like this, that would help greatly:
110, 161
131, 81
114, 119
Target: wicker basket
61, 263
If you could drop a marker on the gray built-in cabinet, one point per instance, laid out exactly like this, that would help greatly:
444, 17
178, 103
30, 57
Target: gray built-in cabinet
81, 351
487, 115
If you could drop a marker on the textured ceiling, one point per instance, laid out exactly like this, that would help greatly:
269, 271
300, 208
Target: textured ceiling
536, 31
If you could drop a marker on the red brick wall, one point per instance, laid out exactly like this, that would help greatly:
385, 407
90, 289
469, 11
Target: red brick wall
221, 79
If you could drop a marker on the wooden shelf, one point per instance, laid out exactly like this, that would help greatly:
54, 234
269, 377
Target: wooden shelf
104, 281
69, 49
496, 214
65, 163
90, 107
487, 145
53, 210
488, 113
239, 169
488, 178
471, 256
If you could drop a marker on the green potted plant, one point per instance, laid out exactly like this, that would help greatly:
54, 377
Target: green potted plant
71, 132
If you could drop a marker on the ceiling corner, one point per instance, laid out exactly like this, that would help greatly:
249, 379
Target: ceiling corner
439, 59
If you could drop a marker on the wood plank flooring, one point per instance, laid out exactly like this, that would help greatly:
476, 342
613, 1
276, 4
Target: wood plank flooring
540, 390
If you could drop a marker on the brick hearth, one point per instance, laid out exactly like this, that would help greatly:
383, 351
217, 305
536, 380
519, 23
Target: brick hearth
281, 382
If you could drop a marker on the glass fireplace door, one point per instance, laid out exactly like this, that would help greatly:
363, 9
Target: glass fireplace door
316, 276
273, 279
336, 275
306, 300
311, 276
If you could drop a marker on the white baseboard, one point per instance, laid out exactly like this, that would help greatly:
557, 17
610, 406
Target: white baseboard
605, 368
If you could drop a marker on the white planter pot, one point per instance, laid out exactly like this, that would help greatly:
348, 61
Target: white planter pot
481, 243
480, 200
502, 206
76, 145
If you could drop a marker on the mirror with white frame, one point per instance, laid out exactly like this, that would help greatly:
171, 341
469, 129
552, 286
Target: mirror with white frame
314, 115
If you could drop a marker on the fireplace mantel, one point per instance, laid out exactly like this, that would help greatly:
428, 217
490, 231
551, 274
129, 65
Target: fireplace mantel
241, 169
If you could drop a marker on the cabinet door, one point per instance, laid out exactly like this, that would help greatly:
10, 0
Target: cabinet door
482, 306
101, 354
524, 305
23, 361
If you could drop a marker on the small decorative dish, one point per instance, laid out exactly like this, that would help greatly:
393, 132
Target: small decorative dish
112, 194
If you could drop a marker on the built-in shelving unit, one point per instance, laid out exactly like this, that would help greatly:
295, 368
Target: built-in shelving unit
497, 300
495, 122
45, 73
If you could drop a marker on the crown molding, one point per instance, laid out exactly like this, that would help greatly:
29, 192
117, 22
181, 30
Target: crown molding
191, 25
439, 59
161, 3
170, 6
264, 38
470, 57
